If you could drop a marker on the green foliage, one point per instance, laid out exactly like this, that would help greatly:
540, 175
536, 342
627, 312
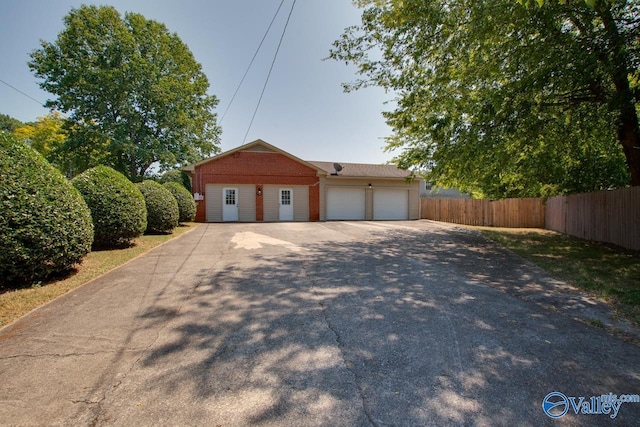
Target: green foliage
9, 124
501, 100
45, 225
44, 136
162, 208
130, 85
177, 175
117, 206
186, 204
84, 148
590, 3
48, 136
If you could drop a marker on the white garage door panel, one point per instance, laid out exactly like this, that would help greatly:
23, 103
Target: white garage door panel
390, 204
345, 203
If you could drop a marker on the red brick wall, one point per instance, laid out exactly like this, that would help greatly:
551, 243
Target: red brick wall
246, 167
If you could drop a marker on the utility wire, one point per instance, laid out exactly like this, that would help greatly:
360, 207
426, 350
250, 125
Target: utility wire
250, 63
23, 93
284, 30
40, 103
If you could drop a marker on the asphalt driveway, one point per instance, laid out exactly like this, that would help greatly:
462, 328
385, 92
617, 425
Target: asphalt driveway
345, 323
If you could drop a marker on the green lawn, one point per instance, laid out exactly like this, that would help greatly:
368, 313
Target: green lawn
16, 303
606, 271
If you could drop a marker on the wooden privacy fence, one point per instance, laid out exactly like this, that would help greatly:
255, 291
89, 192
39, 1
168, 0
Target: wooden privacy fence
606, 216
526, 213
611, 216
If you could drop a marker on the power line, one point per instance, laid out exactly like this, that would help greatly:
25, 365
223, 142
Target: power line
23, 93
284, 30
251, 63
40, 103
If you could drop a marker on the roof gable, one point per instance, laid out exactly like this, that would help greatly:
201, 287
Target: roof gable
257, 146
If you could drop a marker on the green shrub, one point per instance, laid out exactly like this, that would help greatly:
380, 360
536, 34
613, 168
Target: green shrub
176, 175
117, 206
45, 225
162, 208
186, 204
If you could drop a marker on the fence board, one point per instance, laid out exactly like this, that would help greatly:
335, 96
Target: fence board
499, 213
611, 216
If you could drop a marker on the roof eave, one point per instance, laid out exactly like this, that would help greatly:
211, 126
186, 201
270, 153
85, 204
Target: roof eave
393, 178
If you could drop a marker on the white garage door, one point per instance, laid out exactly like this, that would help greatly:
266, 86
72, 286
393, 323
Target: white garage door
390, 203
345, 203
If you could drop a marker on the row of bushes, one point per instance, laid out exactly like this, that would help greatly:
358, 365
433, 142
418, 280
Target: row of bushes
48, 224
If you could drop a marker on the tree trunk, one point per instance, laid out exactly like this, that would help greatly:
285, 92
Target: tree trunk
624, 101
629, 138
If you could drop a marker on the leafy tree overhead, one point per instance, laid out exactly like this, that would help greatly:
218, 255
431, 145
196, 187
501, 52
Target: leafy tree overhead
133, 83
505, 100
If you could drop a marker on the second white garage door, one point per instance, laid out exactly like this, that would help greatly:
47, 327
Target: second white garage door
345, 203
389, 204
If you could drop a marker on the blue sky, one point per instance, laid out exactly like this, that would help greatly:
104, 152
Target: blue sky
304, 110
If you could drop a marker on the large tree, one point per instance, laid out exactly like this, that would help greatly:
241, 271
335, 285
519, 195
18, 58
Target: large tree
132, 86
504, 100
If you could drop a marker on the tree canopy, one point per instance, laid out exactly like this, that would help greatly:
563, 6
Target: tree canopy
132, 89
46, 135
503, 100
9, 124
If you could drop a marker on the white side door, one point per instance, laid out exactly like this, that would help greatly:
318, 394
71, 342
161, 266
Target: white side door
286, 204
229, 204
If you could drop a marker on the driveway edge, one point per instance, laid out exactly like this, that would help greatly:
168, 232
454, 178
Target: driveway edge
29, 313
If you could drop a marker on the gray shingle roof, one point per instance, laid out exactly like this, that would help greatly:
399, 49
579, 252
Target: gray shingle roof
361, 170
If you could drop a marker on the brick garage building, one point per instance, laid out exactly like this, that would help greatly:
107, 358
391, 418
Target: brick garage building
259, 182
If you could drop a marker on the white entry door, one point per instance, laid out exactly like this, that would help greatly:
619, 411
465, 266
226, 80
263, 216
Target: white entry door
286, 204
229, 204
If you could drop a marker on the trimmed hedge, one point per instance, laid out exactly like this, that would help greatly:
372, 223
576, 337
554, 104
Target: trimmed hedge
162, 208
179, 176
186, 204
45, 225
117, 206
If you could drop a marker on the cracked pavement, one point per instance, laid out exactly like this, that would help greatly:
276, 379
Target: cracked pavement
341, 323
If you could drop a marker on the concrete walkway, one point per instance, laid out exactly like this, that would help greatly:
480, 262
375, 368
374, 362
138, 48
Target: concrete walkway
346, 323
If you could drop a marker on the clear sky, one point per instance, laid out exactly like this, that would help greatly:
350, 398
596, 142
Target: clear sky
304, 110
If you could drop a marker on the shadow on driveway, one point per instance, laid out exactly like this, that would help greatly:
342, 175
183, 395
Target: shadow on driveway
403, 325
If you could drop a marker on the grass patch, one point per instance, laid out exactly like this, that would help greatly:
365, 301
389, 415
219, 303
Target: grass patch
16, 303
606, 271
